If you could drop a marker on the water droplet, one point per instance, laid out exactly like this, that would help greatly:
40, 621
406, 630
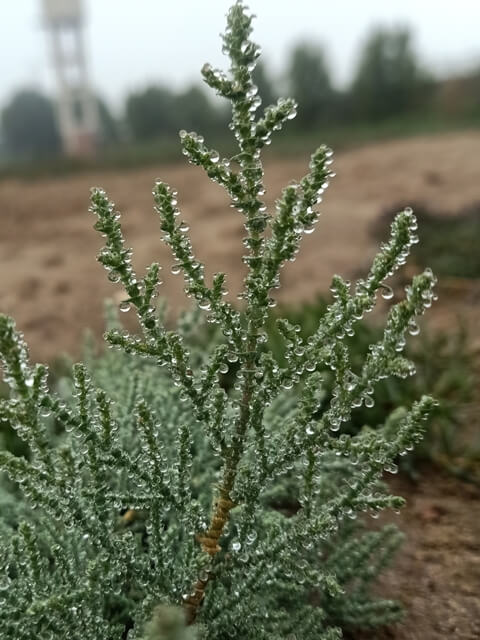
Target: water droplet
236, 546
251, 537
413, 328
334, 424
391, 468
124, 306
175, 269
232, 357
387, 292
204, 304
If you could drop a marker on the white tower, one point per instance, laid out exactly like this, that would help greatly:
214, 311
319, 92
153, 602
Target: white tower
77, 107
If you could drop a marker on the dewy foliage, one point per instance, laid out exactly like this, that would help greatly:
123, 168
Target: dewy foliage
152, 504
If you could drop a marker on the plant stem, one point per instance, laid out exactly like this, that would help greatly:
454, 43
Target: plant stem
223, 503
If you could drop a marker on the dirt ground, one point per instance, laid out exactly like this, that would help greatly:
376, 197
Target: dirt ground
51, 283
436, 574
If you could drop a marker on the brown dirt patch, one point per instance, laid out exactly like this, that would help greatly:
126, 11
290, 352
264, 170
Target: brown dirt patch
51, 283
437, 571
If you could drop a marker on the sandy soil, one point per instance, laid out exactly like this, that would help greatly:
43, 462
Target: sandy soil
51, 283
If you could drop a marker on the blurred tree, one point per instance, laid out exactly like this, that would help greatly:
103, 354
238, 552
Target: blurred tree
109, 128
310, 85
264, 84
389, 80
158, 111
152, 112
195, 111
29, 126
459, 96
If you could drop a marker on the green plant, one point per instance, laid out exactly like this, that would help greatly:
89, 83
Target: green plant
237, 508
451, 239
445, 366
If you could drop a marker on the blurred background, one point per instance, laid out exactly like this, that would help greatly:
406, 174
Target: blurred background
97, 79
94, 93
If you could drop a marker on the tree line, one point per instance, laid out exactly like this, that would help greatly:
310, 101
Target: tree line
389, 81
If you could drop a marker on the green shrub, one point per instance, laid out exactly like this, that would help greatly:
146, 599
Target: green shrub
445, 366
450, 240
147, 487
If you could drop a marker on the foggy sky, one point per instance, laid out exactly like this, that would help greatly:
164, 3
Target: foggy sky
132, 43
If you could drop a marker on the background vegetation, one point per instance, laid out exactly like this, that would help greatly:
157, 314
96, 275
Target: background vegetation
391, 93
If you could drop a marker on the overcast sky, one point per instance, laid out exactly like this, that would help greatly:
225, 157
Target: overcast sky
132, 43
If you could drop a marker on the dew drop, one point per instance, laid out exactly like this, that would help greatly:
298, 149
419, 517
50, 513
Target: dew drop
387, 292
124, 306
251, 537
413, 329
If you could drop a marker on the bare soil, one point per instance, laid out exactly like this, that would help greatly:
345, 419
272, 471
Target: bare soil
436, 574
51, 283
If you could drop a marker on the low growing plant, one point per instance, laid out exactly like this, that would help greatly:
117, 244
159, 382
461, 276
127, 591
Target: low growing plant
159, 510
445, 366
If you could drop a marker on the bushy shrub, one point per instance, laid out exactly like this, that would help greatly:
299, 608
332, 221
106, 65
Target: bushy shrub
156, 504
445, 365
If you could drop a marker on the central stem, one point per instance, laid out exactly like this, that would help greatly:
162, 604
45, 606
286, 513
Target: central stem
223, 503
252, 171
